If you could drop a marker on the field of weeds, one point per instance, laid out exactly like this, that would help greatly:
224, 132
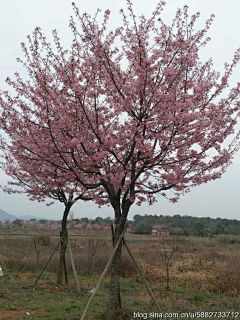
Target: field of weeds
203, 277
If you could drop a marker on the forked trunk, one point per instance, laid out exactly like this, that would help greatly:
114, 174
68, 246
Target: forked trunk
114, 302
62, 261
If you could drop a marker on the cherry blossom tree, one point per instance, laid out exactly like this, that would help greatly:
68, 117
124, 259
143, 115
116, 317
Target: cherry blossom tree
132, 112
39, 182
8, 223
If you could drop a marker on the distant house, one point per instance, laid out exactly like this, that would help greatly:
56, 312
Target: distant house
161, 233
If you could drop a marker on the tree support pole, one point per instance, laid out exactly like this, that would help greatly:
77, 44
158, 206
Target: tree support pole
142, 276
103, 275
47, 262
73, 266
65, 271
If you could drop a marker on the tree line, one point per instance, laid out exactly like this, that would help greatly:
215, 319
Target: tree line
177, 225
185, 225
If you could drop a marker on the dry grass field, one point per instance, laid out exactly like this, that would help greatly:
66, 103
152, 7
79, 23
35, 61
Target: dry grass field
203, 277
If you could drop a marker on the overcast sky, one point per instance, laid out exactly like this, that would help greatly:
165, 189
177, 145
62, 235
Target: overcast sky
18, 18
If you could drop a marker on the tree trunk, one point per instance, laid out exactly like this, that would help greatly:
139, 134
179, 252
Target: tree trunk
37, 261
119, 295
168, 278
63, 243
114, 290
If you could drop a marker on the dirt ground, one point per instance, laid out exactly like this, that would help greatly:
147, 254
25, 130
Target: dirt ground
12, 314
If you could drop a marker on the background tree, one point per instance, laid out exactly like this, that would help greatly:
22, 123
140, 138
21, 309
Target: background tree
219, 229
92, 249
137, 218
135, 119
40, 182
40, 242
142, 229
166, 255
199, 229
17, 222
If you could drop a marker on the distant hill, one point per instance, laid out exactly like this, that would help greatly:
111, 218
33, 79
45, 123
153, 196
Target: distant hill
4, 216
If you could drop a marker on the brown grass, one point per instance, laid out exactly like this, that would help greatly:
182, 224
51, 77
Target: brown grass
208, 264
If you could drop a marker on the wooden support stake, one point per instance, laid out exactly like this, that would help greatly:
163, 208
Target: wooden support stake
73, 266
65, 270
142, 276
105, 271
47, 262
